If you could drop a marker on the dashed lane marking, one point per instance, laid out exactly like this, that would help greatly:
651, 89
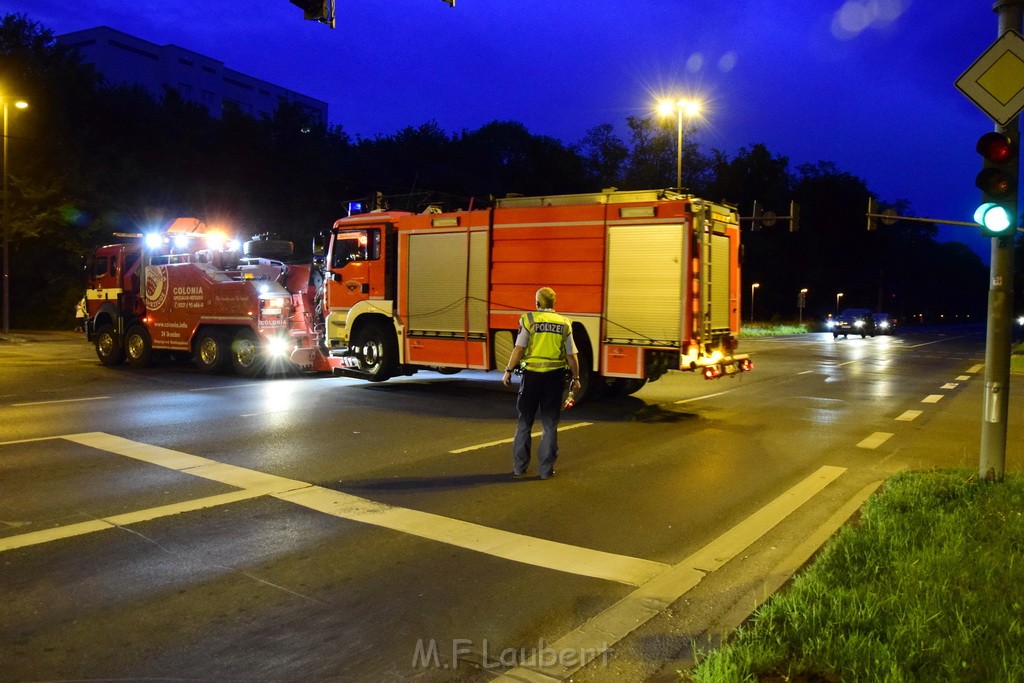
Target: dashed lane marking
975, 368
909, 415
60, 400
875, 440
949, 385
962, 378
479, 446
933, 398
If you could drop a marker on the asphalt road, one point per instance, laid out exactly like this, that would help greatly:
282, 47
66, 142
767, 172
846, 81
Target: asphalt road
160, 523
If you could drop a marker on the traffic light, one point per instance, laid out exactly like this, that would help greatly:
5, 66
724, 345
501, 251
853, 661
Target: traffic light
316, 10
997, 181
872, 213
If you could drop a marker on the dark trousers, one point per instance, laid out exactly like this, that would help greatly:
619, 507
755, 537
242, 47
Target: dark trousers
539, 392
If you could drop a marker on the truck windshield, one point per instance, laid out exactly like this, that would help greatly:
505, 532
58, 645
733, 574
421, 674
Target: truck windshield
359, 245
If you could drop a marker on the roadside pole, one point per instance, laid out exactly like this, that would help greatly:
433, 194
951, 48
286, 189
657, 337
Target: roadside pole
992, 462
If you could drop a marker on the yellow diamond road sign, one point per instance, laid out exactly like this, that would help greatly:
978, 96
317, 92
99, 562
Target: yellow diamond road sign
995, 82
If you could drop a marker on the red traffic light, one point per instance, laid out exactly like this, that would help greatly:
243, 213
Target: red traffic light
997, 148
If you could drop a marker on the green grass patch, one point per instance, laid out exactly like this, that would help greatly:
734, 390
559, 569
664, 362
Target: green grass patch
927, 585
770, 330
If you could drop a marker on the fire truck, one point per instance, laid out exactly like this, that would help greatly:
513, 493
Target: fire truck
650, 280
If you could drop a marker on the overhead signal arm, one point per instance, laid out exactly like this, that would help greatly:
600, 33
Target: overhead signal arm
323, 10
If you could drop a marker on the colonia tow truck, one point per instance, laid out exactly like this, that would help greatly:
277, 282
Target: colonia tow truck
650, 279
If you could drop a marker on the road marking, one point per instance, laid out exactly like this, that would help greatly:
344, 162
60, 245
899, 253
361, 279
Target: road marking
70, 530
62, 400
701, 398
975, 368
875, 440
496, 542
612, 625
253, 483
933, 398
479, 446
949, 385
909, 415
963, 378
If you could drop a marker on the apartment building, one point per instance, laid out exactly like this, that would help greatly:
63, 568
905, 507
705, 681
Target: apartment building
123, 58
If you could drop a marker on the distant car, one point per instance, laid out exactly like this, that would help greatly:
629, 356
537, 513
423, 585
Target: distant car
884, 324
854, 321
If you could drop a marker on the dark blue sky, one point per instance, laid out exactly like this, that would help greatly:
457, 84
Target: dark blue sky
866, 84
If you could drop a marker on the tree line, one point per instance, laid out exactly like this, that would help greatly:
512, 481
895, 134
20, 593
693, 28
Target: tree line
89, 159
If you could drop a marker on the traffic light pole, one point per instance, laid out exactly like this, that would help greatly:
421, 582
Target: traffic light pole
992, 462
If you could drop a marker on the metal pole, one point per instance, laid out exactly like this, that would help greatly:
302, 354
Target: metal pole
7, 263
679, 146
992, 461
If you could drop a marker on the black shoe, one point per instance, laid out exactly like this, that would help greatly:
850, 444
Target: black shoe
518, 474
548, 476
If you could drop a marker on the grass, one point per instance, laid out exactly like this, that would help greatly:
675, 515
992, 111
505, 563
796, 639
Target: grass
925, 586
771, 329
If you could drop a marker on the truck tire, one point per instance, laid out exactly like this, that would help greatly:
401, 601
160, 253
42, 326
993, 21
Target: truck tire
246, 354
108, 346
138, 346
212, 352
377, 351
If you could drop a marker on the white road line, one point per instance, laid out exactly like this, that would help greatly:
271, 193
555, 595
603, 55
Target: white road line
62, 400
701, 398
496, 542
909, 415
70, 530
875, 440
933, 398
963, 378
591, 639
479, 446
975, 368
949, 385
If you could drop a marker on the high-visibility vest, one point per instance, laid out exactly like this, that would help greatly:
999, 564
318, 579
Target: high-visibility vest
546, 349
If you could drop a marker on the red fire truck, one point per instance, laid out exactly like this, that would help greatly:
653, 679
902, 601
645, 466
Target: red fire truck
650, 279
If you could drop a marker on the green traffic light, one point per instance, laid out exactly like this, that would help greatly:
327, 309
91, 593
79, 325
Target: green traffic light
993, 218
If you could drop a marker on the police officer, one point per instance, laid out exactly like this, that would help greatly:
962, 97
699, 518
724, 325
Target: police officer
545, 347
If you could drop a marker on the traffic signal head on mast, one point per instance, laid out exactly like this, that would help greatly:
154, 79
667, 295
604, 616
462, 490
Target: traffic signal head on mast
997, 181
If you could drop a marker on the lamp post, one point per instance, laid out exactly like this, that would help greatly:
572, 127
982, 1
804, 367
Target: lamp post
679, 107
20, 104
838, 297
753, 288
801, 300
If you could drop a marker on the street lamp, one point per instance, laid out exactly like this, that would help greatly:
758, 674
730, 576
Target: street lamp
679, 107
800, 302
838, 297
20, 104
753, 288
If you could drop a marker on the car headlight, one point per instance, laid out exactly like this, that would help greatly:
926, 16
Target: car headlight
859, 323
279, 346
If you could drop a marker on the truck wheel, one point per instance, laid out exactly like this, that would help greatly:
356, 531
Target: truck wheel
377, 351
108, 346
211, 352
138, 347
246, 355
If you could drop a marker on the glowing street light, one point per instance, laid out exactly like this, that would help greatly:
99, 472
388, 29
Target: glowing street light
753, 288
839, 295
679, 107
801, 301
19, 104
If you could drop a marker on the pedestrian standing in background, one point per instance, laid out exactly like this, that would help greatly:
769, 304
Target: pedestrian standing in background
80, 315
545, 348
